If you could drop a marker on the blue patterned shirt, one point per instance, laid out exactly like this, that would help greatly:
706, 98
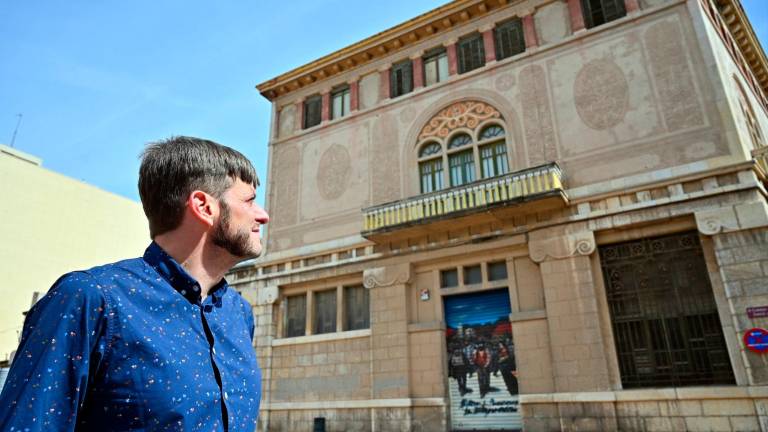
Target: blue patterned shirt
131, 346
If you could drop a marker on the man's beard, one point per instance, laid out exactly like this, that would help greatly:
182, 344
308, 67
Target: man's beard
237, 243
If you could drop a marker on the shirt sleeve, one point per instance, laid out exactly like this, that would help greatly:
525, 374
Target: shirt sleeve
62, 344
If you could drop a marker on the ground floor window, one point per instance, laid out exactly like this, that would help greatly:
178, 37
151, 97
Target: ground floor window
663, 312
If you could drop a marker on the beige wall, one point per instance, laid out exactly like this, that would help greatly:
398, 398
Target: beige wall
607, 103
52, 224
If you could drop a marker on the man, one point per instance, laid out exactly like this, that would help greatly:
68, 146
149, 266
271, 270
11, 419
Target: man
159, 342
483, 362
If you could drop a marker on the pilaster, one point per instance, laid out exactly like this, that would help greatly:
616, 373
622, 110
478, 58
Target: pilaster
576, 15
450, 50
384, 90
529, 32
489, 44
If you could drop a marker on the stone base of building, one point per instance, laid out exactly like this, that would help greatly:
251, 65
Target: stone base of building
691, 409
385, 419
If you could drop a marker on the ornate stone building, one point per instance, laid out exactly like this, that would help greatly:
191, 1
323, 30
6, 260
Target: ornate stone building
506, 214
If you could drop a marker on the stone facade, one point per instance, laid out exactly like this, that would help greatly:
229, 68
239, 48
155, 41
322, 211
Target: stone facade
640, 130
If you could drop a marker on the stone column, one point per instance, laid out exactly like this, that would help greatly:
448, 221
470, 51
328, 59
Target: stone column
384, 83
417, 64
390, 367
325, 111
299, 115
450, 49
489, 45
529, 32
739, 276
578, 350
576, 14
631, 6
265, 318
354, 94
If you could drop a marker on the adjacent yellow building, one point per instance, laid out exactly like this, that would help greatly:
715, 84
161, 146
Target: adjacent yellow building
52, 224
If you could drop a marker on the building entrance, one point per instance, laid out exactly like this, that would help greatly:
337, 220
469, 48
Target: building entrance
482, 370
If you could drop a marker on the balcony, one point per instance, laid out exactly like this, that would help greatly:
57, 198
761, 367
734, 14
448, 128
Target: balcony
760, 156
493, 199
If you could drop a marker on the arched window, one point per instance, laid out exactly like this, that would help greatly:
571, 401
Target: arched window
441, 145
749, 117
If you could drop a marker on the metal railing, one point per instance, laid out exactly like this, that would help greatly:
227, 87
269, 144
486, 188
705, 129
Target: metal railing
510, 187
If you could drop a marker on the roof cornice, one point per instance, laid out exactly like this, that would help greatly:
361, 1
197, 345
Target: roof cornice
425, 26
741, 29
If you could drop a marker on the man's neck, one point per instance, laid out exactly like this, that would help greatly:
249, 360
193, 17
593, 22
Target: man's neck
197, 257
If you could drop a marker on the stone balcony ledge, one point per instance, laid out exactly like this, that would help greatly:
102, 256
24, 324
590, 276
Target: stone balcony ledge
524, 190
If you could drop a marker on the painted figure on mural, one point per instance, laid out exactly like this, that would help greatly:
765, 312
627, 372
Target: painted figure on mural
482, 361
458, 369
507, 367
159, 342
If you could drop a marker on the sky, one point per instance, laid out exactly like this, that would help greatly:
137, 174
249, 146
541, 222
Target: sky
95, 81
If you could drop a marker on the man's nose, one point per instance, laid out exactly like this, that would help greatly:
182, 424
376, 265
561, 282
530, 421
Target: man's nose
261, 215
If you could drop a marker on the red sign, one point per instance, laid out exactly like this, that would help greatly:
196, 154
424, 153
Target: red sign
757, 312
756, 340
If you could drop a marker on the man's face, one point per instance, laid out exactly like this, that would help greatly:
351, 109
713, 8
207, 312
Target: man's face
238, 228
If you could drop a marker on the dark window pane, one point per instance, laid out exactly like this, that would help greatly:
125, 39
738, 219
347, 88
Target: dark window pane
430, 149
471, 53
492, 131
509, 39
449, 278
312, 111
497, 271
663, 312
325, 312
472, 275
401, 79
296, 315
597, 12
356, 307
459, 140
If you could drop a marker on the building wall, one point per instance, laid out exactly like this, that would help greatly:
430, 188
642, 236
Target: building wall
53, 224
643, 116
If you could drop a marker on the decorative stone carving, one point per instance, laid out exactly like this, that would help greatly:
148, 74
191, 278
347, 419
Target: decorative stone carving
287, 121
732, 218
397, 274
555, 246
537, 115
267, 295
467, 114
504, 82
601, 94
672, 76
333, 172
286, 185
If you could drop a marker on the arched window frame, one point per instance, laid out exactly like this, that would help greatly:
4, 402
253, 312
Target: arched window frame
432, 163
476, 145
753, 126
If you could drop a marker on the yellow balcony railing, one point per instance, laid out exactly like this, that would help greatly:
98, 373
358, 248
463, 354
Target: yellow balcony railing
511, 188
760, 155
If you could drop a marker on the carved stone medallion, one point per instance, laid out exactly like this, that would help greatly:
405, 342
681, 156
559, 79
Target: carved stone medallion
333, 172
504, 82
601, 94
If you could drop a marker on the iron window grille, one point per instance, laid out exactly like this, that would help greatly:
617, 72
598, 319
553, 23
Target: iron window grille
663, 313
401, 78
598, 12
313, 107
471, 53
509, 39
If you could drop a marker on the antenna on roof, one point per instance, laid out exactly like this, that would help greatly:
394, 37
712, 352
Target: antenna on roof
18, 122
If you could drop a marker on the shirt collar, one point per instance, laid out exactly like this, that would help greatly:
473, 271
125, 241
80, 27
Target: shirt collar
178, 278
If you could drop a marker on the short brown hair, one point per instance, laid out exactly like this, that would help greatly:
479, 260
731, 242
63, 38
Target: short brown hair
172, 168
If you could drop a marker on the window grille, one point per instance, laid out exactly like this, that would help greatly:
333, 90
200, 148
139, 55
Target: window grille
296, 315
471, 53
356, 308
401, 78
663, 312
459, 141
509, 39
313, 107
430, 149
325, 312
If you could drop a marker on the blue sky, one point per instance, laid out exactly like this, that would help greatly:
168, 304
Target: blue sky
96, 80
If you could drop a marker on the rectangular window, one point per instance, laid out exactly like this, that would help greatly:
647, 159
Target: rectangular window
598, 12
493, 160
471, 53
431, 172
296, 315
325, 312
509, 39
313, 107
435, 67
497, 271
663, 312
401, 79
340, 100
462, 167
356, 308
449, 278
472, 275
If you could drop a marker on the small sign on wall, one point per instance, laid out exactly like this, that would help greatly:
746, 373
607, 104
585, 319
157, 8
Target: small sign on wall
757, 311
756, 340
424, 294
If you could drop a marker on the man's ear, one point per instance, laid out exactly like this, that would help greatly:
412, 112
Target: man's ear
202, 206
